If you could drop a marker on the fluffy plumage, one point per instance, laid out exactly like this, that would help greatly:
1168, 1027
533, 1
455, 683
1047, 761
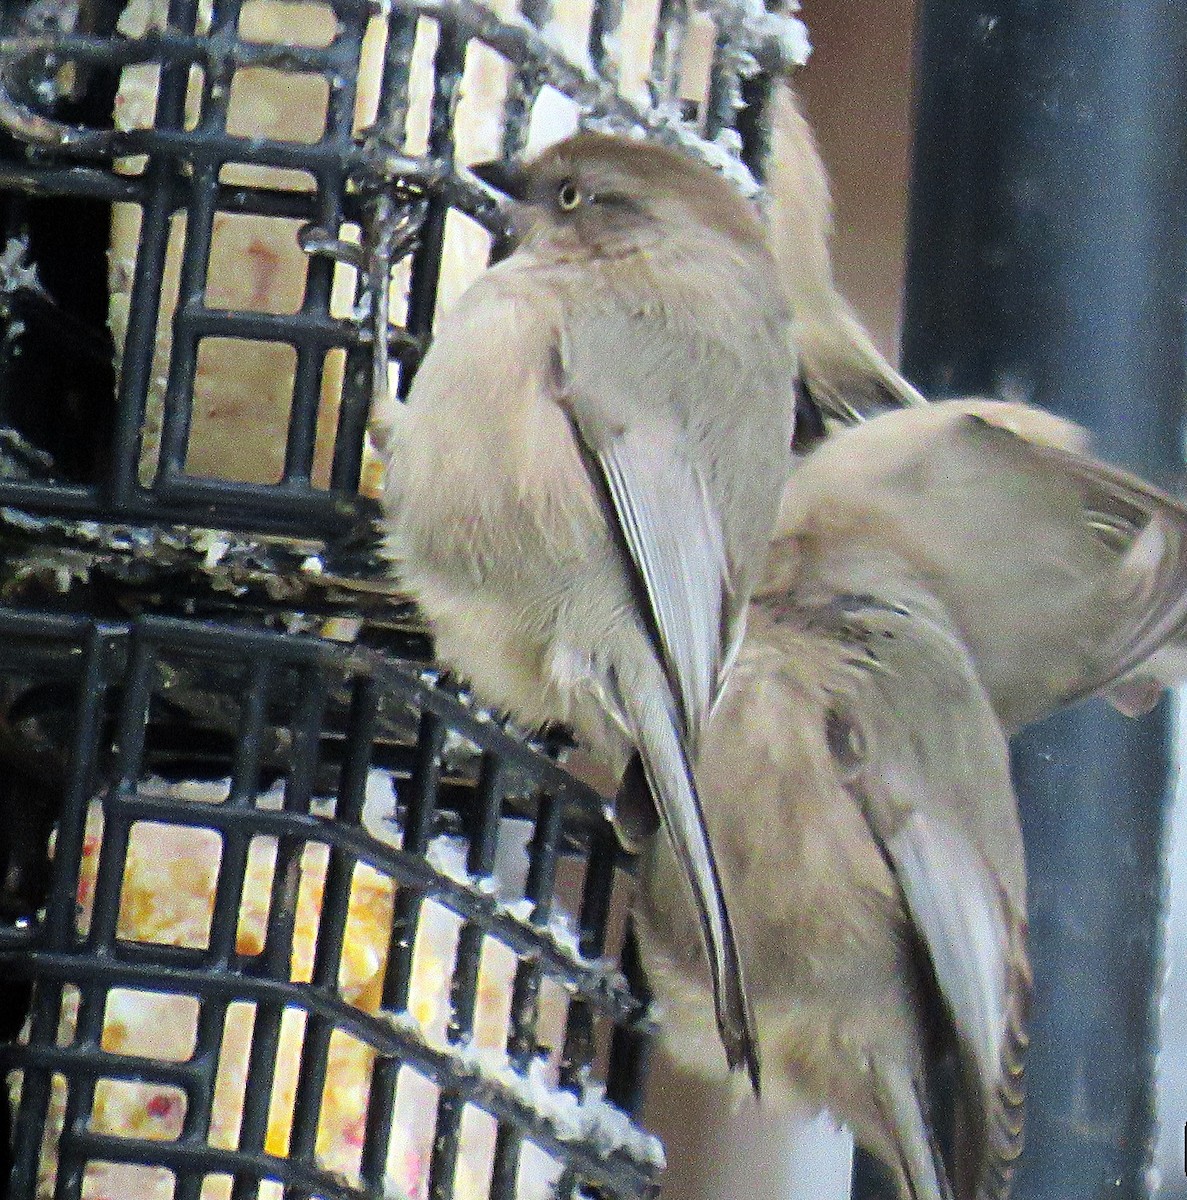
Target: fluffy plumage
582, 485
940, 576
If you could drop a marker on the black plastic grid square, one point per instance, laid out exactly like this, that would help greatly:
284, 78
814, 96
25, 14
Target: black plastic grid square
308, 720
365, 176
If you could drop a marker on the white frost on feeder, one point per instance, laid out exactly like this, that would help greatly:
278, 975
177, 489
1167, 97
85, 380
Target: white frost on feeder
167, 899
589, 1118
16, 273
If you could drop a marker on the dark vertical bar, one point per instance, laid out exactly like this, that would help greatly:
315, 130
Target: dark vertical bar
319, 281
61, 915
276, 957
418, 823
522, 92
245, 778
257, 1094
448, 64
353, 411
395, 90
224, 922
538, 12
541, 881
630, 1047
61, 919
604, 53
228, 897
331, 931
195, 259
420, 795
357, 385
102, 934
304, 755
1046, 262
753, 122
525, 990
524, 87
720, 104
483, 836
377, 1134
667, 58
566, 1187
580, 1027
160, 175
113, 848
199, 1113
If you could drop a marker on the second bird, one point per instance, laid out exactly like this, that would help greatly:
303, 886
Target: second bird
941, 576
582, 485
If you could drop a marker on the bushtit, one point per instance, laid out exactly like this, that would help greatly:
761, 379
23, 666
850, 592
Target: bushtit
582, 485
843, 377
939, 575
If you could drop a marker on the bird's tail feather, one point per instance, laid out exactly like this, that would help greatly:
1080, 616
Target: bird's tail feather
920, 1163
670, 779
842, 373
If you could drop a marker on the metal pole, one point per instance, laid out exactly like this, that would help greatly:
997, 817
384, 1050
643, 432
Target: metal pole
1046, 263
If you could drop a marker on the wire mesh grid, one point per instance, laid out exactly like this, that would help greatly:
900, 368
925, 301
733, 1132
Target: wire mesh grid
282, 915
273, 936
328, 129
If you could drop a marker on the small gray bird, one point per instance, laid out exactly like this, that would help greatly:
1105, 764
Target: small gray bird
940, 575
582, 485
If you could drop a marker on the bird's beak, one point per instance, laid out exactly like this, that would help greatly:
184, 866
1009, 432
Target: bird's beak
511, 180
505, 177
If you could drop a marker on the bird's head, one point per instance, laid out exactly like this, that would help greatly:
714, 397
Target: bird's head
605, 195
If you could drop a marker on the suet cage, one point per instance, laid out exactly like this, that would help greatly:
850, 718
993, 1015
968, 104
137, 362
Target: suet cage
283, 913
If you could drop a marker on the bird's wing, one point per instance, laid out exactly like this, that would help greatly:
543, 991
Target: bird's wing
657, 506
918, 1164
672, 538
917, 743
617, 390
1145, 592
670, 780
1002, 513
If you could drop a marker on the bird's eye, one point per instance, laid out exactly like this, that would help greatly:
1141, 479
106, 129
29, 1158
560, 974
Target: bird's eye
568, 196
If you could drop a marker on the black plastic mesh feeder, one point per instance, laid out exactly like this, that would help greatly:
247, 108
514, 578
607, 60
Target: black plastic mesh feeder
280, 914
